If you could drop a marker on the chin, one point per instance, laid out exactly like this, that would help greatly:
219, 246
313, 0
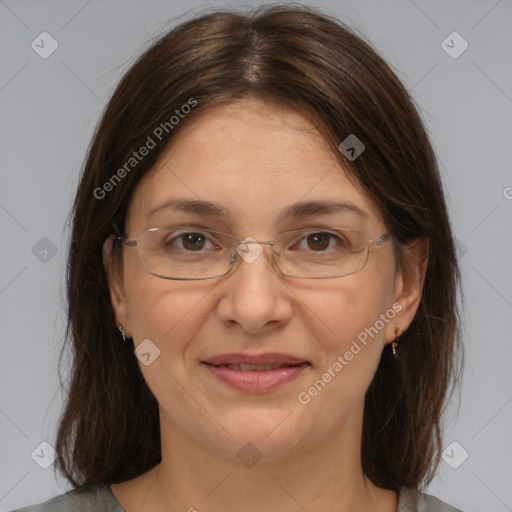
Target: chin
269, 433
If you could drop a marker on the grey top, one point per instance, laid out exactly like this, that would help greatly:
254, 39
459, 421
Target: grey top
101, 499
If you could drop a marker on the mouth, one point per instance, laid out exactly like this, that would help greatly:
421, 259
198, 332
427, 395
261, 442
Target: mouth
256, 373
257, 368
272, 359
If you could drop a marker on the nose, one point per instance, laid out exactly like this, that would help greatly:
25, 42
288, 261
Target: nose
254, 295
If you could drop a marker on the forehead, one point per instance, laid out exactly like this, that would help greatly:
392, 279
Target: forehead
254, 159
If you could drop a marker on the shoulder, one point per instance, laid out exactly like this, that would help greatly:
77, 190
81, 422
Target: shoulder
414, 501
92, 499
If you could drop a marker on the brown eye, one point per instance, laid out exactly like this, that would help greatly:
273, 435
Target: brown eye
193, 241
319, 241
190, 241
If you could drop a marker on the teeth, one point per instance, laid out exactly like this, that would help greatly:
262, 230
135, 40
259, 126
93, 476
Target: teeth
254, 367
247, 367
265, 367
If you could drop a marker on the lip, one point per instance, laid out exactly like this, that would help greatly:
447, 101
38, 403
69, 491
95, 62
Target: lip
257, 359
256, 381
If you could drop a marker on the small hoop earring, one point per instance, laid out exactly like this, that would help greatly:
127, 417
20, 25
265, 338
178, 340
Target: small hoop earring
394, 344
123, 335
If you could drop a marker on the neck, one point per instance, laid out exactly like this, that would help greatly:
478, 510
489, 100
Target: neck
195, 478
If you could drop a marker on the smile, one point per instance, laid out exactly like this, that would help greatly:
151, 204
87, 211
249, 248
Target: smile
254, 367
256, 378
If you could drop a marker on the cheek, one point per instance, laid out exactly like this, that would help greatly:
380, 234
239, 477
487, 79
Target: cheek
165, 310
170, 315
344, 312
351, 339
349, 348
158, 307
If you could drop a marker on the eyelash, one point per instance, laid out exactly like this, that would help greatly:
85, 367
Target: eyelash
332, 236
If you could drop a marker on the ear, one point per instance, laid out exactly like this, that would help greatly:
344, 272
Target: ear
409, 285
115, 284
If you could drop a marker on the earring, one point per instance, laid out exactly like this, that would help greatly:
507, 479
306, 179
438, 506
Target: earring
394, 344
123, 335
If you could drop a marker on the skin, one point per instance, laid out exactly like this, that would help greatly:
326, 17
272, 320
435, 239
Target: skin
256, 158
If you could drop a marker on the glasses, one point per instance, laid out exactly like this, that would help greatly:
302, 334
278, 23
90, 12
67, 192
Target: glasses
188, 253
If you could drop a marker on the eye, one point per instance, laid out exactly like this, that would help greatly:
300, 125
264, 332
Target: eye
192, 241
321, 241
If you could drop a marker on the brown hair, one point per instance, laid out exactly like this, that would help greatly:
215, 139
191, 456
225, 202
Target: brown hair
109, 428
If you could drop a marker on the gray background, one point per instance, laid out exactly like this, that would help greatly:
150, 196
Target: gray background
49, 107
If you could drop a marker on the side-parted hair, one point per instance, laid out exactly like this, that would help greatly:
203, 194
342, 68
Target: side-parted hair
304, 59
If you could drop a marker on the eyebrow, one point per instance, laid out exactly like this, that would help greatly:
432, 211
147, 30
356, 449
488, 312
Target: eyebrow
294, 211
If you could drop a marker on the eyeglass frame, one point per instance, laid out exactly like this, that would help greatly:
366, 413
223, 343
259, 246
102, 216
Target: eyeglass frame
235, 257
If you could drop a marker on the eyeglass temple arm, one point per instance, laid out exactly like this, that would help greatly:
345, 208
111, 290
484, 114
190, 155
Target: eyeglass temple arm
116, 229
381, 240
120, 238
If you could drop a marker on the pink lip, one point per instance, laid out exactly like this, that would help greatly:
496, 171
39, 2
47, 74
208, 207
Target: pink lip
256, 381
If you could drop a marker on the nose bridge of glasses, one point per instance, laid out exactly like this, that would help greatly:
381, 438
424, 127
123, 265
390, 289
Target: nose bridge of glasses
250, 240
250, 249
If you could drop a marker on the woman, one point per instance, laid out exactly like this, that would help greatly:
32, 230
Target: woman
261, 282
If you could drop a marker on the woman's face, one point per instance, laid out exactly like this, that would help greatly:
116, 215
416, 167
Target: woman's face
256, 160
